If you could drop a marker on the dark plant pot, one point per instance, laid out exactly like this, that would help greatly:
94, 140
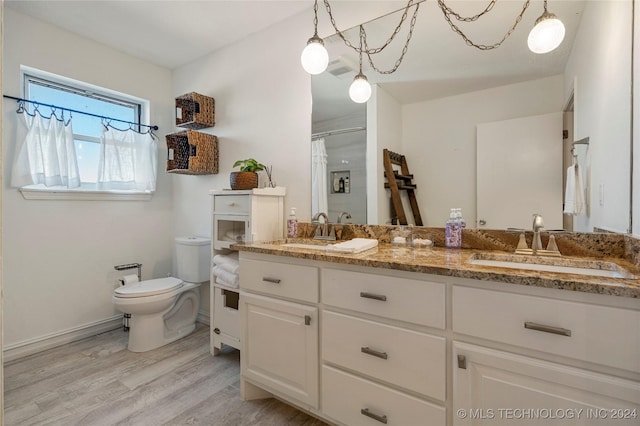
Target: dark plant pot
243, 180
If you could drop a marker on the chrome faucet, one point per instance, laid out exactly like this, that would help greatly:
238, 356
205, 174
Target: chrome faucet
538, 224
322, 232
346, 215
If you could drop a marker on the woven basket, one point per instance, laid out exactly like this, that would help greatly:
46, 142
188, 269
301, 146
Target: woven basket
243, 180
195, 111
194, 153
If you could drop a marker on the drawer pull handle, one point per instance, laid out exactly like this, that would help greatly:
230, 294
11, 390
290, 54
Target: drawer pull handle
366, 412
231, 204
307, 320
373, 296
369, 351
271, 280
462, 362
547, 328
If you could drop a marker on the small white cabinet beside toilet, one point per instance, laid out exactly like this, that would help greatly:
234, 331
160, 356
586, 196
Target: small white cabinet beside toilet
239, 216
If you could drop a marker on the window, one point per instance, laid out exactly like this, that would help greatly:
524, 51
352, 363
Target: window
73, 95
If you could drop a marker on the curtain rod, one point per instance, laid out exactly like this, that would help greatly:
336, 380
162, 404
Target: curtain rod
337, 132
152, 127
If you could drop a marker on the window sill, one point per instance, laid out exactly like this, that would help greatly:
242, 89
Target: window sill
83, 195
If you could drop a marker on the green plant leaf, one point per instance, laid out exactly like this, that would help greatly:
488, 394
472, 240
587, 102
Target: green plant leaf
249, 165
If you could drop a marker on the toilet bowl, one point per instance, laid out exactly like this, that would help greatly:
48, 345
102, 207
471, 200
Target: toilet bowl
165, 309
162, 311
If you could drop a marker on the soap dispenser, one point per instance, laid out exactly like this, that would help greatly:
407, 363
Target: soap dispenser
292, 224
453, 230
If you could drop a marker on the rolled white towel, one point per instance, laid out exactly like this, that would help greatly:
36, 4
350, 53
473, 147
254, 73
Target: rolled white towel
230, 267
226, 276
234, 236
220, 259
220, 281
227, 262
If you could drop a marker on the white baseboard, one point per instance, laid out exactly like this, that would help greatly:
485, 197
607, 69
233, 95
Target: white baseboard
39, 344
204, 318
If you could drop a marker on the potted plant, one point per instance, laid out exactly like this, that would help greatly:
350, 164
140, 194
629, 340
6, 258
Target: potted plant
247, 177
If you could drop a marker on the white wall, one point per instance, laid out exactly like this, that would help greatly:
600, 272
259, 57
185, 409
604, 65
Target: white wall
636, 124
603, 110
263, 111
439, 141
59, 255
384, 130
1, 180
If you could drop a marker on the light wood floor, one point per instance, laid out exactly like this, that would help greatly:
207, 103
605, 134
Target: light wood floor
97, 381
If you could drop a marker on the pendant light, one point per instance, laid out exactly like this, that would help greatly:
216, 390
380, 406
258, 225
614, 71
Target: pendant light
547, 33
360, 89
315, 58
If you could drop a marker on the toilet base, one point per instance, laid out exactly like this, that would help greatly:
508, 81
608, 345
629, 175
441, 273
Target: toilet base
149, 332
148, 337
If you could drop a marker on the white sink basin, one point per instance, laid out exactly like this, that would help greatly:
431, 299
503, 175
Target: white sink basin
563, 265
306, 246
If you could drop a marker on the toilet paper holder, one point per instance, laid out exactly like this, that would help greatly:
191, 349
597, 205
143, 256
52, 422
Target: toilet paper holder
127, 266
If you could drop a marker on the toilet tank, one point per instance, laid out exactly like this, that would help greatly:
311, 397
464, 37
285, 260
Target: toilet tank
193, 259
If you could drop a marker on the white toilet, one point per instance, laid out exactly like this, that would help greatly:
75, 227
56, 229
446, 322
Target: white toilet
165, 309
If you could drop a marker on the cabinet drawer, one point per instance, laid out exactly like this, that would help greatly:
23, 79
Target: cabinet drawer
598, 334
412, 360
279, 279
234, 204
355, 401
419, 302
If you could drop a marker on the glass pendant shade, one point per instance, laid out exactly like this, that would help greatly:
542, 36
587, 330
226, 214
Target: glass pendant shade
547, 34
314, 57
360, 89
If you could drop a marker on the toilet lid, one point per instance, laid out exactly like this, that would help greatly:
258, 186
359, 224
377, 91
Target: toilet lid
149, 287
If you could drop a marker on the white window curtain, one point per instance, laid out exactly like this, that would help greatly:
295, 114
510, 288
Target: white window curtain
319, 181
128, 160
47, 154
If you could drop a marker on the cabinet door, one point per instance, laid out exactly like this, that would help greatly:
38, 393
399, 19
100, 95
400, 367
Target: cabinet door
499, 388
225, 328
230, 229
280, 347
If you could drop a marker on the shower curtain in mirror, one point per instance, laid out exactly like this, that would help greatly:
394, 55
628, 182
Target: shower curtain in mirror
47, 154
128, 160
318, 177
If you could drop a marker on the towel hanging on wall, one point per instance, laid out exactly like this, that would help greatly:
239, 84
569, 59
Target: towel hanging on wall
574, 198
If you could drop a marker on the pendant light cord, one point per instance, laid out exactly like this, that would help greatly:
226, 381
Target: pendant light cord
448, 13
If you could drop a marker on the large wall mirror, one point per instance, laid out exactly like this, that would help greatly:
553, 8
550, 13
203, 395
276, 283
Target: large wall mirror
466, 119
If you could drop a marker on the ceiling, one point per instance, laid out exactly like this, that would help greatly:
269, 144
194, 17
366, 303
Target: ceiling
171, 33
166, 33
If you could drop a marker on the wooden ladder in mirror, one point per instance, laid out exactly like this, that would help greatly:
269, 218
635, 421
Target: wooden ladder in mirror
400, 180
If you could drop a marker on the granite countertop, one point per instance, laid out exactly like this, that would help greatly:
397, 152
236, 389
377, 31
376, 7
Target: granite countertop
455, 263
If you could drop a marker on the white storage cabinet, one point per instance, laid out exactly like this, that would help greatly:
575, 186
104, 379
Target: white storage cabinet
239, 216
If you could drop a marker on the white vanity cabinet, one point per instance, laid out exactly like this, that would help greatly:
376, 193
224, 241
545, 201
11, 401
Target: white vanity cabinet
357, 345
238, 216
280, 337
380, 351
489, 383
